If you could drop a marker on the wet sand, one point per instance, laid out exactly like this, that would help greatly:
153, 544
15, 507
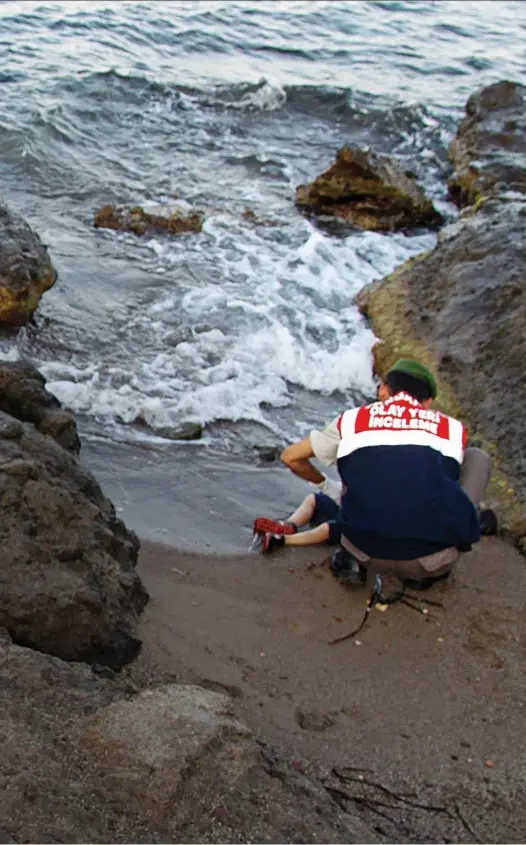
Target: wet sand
428, 705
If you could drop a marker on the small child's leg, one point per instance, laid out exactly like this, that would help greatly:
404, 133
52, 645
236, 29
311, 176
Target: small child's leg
304, 513
311, 537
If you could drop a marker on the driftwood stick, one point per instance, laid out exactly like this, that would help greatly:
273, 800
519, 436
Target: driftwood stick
466, 823
396, 795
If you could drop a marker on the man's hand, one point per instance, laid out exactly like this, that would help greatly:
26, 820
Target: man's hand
332, 488
297, 458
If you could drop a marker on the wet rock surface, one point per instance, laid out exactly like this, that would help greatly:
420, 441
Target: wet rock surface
63, 776
371, 191
26, 270
23, 395
463, 307
172, 220
68, 584
489, 149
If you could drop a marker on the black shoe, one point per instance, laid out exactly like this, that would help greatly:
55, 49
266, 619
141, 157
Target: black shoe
489, 524
347, 568
271, 542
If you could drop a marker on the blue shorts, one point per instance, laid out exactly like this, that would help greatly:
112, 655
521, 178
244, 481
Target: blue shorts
327, 511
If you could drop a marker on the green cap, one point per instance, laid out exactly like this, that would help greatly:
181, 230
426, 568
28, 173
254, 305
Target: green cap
417, 370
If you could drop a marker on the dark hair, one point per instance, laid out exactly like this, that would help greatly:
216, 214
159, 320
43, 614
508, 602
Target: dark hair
416, 388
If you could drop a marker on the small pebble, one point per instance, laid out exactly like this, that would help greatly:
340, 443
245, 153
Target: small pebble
357, 642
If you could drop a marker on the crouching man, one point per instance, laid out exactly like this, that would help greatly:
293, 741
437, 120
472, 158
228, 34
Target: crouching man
410, 493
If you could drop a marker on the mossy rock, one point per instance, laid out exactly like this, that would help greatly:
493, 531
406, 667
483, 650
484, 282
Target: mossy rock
387, 305
170, 220
371, 191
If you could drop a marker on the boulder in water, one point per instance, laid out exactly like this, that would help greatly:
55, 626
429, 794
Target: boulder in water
26, 270
371, 191
172, 219
489, 149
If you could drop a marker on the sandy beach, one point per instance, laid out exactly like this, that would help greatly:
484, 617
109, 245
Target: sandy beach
428, 706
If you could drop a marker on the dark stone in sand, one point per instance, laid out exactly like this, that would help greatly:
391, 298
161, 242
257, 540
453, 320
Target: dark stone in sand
489, 149
371, 191
23, 395
26, 270
68, 584
314, 720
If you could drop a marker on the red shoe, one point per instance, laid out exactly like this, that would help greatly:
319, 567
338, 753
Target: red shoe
264, 525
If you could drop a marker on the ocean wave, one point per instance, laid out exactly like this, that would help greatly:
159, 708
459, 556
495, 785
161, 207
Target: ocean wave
228, 105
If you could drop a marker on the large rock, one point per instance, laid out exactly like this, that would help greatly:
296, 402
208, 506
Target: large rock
24, 396
489, 150
370, 190
175, 752
169, 219
68, 584
26, 270
462, 308
45, 797
66, 732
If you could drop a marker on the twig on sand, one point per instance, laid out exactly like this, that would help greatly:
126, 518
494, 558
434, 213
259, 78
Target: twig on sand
430, 602
396, 795
454, 812
466, 823
368, 803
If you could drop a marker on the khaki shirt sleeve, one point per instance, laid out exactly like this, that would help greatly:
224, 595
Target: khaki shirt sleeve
325, 442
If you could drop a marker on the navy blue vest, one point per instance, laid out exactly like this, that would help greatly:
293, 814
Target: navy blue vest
400, 465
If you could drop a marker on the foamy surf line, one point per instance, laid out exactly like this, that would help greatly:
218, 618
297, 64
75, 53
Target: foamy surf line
230, 345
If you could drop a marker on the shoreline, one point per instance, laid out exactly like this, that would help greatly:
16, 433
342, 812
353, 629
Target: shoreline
187, 499
428, 705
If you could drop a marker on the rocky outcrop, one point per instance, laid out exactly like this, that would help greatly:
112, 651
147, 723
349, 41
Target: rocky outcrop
462, 308
489, 149
23, 395
87, 758
26, 270
172, 219
371, 191
68, 584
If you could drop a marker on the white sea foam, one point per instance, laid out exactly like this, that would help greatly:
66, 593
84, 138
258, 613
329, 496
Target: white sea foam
259, 316
267, 96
